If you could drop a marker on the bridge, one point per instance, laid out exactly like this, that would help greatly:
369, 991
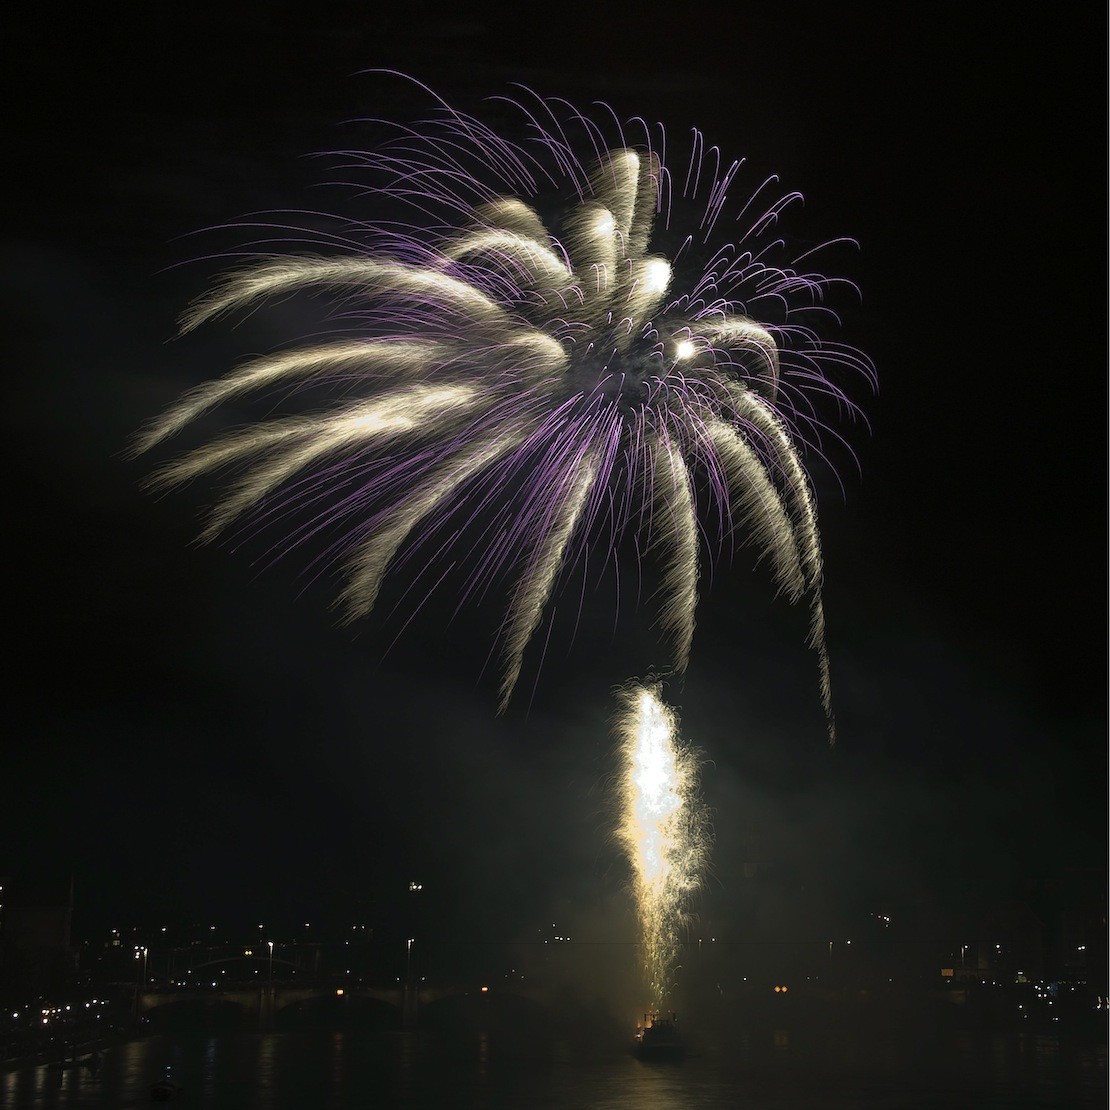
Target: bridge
262, 985
262, 1004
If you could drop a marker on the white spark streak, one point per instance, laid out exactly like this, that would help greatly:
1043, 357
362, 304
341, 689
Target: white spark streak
536, 584
762, 512
382, 360
675, 528
663, 828
365, 275
367, 568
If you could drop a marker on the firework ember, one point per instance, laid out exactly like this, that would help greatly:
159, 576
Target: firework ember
662, 828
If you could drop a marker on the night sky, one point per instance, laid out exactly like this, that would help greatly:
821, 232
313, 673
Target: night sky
192, 737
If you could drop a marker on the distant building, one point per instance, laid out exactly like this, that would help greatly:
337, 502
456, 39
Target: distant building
35, 936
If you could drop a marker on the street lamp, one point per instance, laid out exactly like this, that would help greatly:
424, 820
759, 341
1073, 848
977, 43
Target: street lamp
271, 975
141, 988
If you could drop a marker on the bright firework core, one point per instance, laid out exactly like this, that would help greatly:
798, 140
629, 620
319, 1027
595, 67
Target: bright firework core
662, 828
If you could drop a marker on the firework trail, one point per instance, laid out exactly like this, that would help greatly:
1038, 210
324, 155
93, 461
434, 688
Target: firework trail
662, 827
556, 375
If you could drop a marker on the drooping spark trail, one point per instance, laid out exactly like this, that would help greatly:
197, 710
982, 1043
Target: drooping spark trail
662, 828
560, 377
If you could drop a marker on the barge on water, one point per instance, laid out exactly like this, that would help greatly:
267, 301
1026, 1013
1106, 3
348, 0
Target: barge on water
657, 1037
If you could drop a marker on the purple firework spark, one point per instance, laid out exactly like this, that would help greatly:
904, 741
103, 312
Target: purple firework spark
552, 373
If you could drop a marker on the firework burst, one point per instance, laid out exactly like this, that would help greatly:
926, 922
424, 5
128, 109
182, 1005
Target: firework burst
555, 373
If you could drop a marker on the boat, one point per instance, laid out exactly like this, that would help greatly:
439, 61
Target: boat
165, 1089
657, 1037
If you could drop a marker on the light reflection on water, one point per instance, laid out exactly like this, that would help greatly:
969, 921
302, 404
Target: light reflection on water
338, 1044
265, 1085
778, 1068
211, 1068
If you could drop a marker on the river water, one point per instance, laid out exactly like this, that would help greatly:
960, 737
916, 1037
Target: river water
776, 1068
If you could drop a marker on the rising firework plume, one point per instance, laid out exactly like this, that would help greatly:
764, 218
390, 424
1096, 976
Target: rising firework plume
560, 380
662, 829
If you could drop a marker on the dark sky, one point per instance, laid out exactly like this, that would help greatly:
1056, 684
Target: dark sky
190, 734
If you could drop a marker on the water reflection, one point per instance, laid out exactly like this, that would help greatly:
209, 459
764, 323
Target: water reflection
266, 1084
132, 1065
337, 1063
783, 1067
209, 1084
483, 1053
407, 1054
780, 1038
